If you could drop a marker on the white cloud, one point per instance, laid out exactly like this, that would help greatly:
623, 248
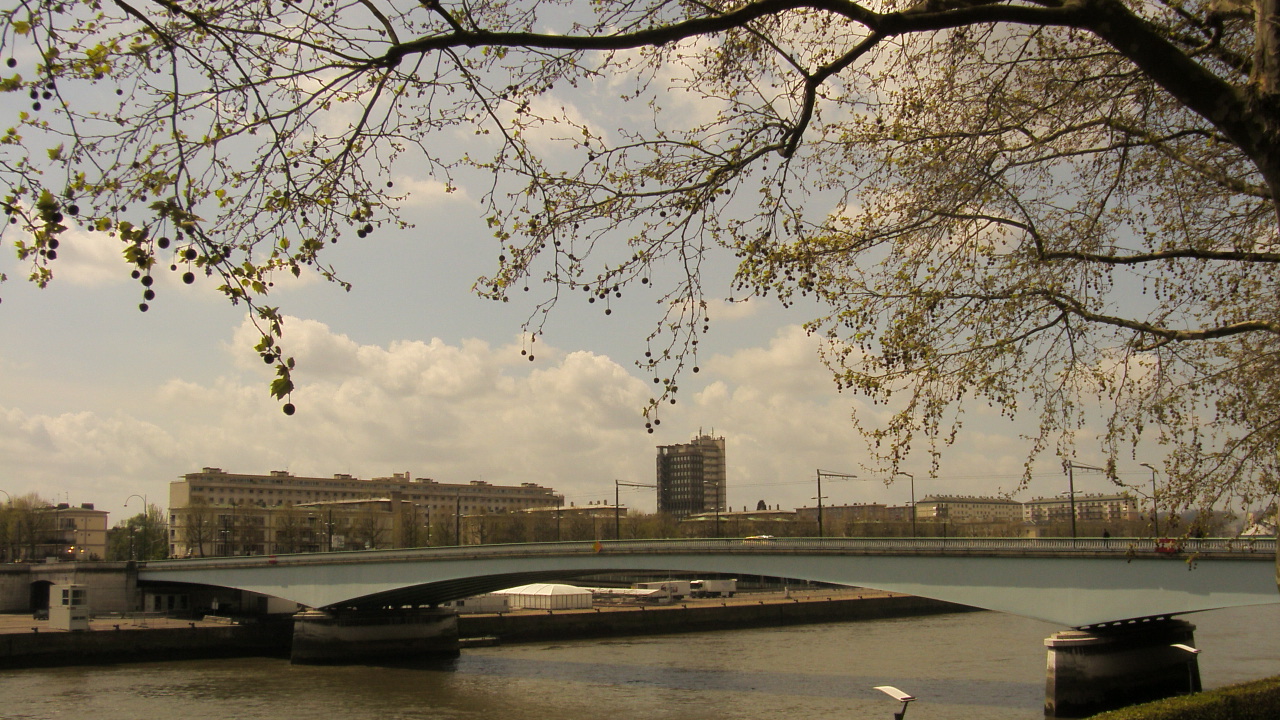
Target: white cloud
734, 311
422, 192
90, 259
462, 412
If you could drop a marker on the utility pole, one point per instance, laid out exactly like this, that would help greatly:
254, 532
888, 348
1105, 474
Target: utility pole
1071, 466
913, 501
821, 473
617, 512
1155, 509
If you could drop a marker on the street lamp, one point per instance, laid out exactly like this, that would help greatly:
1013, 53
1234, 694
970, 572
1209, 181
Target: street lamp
1155, 509
898, 695
1192, 652
1071, 466
146, 520
913, 500
821, 473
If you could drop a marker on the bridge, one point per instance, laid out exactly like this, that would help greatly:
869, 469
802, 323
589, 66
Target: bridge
1070, 582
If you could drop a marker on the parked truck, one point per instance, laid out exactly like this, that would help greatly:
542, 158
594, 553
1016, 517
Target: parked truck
712, 588
675, 589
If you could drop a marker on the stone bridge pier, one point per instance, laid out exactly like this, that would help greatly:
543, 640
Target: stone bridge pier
1111, 666
339, 636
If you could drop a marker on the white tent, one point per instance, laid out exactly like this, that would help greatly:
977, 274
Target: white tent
545, 596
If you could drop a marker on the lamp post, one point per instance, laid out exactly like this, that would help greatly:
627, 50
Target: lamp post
1192, 652
821, 473
913, 500
146, 520
1155, 509
8, 555
617, 516
1071, 466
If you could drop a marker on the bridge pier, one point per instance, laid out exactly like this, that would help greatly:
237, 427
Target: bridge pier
1110, 666
336, 637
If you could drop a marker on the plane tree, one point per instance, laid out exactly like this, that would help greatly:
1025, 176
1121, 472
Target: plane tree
1063, 208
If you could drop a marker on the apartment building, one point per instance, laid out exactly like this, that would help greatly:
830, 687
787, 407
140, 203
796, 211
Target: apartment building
213, 512
691, 477
967, 509
1089, 508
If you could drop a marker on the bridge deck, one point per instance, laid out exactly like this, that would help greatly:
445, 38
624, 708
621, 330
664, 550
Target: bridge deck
1072, 582
1263, 549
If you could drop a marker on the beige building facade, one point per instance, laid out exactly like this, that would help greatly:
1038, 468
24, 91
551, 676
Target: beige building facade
966, 509
213, 512
1089, 508
72, 533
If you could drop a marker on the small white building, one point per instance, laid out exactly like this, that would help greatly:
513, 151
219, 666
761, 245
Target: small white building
487, 603
547, 596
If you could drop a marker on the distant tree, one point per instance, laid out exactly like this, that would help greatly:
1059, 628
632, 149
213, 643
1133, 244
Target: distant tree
293, 531
29, 525
197, 528
144, 536
413, 529
1063, 208
365, 531
579, 526
654, 526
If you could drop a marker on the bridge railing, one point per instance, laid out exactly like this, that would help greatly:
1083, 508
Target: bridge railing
1253, 548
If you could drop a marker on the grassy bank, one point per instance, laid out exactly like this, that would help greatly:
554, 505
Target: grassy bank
1257, 700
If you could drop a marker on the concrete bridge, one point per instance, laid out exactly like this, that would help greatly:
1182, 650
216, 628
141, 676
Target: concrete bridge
1074, 583
1119, 594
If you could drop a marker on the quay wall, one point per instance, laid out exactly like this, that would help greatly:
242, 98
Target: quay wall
621, 622
100, 647
31, 643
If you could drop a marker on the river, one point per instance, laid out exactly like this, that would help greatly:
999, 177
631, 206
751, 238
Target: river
968, 666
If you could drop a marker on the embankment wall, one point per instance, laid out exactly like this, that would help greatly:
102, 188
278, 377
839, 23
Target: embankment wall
525, 627
273, 638
96, 647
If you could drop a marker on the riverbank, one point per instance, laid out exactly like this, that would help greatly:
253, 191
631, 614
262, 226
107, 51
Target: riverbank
25, 642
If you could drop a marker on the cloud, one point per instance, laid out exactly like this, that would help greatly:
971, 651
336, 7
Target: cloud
454, 412
425, 192
465, 411
734, 311
90, 259
83, 456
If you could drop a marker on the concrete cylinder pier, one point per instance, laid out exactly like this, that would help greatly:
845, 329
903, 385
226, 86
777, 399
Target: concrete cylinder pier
324, 637
1107, 667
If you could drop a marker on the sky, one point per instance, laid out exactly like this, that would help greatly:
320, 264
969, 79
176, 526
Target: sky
410, 371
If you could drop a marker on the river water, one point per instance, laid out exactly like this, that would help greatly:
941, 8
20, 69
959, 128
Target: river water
968, 666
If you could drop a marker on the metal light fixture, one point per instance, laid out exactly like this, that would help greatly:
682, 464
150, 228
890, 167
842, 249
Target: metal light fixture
898, 695
1155, 509
1193, 652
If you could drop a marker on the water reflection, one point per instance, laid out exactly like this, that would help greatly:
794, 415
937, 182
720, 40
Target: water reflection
973, 666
